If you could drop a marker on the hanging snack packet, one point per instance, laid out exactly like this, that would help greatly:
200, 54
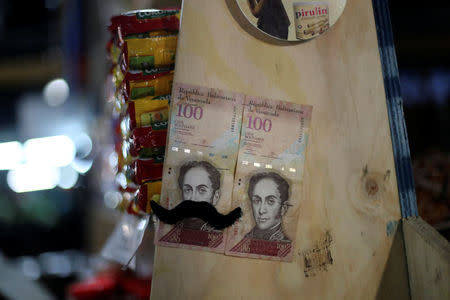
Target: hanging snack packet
147, 192
145, 113
114, 46
121, 106
141, 84
153, 52
147, 142
143, 143
146, 20
149, 34
147, 169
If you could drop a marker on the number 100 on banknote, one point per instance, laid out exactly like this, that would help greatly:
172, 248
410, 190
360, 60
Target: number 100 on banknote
200, 161
268, 179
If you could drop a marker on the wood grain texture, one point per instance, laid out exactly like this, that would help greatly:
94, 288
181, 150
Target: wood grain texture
428, 256
350, 185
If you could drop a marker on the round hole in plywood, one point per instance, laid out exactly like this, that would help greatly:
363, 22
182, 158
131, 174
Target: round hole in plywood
287, 20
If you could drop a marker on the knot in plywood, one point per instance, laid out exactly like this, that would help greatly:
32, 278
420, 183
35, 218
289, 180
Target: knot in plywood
371, 186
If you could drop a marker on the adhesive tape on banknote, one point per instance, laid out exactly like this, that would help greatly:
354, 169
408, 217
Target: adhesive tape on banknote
287, 20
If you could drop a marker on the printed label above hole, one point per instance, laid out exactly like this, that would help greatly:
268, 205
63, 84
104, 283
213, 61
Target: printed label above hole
291, 20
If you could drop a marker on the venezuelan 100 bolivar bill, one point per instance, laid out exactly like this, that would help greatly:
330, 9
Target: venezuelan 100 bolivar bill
268, 179
200, 161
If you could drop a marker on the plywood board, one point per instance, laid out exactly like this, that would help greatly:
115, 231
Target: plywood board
349, 207
428, 256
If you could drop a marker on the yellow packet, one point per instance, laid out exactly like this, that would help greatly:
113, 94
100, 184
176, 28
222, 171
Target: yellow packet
148, 34
150, 52
154, 87
144, 113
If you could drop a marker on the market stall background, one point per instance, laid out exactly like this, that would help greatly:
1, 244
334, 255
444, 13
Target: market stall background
54, 216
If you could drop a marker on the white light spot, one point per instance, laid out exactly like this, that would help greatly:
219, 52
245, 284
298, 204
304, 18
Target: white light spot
31, 268
11, 155
268, 166
257, 164
127, 196
244, 162
175, 149
32, 177
112, 199
53, 151
68, 177
142, 224
56, 92
126, 230
292, 170
81, 165
113, 160
187, 150
55, 264
121, 180
83, 145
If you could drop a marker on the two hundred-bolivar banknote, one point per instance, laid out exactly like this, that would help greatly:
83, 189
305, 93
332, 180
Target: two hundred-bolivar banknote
234, 150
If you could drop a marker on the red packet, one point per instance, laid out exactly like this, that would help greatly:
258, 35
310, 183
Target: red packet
144, 139
148, 169
147, 192
146, 20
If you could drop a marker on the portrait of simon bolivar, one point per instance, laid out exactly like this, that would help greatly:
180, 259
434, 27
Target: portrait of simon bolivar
199, 181
272, 17
268, 193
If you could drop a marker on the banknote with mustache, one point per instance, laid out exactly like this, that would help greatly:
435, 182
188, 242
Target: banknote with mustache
196, 209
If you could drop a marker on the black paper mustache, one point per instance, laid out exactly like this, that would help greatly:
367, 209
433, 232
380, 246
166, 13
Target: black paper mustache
193, 209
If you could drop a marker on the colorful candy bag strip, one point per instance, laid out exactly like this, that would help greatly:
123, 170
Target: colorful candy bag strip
141, 21
142, 52
147, 192
153, 52
139, 85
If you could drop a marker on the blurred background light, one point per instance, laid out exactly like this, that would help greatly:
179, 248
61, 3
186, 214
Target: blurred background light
32, 177
112, 160
112, 199
56, 92
82, 166
83, 145
11, 155
68, 177
52, 151
30, 267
